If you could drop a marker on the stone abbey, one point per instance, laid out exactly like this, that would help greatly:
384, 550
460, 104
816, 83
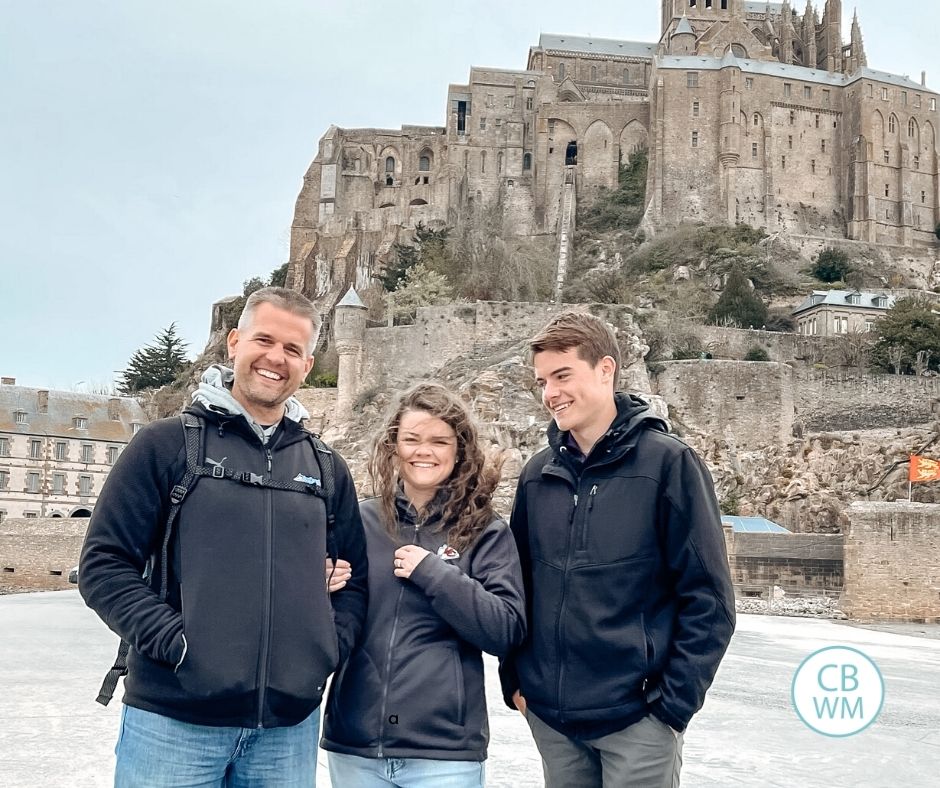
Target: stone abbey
750, 112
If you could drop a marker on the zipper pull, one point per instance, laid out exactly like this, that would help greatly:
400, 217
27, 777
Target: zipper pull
267, 453
591, 498
575, 509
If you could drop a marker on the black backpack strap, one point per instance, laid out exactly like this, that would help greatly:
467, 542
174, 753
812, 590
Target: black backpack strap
193, 428
328, 486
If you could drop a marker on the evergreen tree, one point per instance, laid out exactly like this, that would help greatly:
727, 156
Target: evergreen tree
910, 327
739, 304
157, 364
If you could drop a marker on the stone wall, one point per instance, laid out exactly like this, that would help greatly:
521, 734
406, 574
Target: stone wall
797, 562
892, 562
320, 404
749, 402
37, 554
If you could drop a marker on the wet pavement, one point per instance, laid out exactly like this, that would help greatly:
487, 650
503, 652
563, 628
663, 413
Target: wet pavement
54, 653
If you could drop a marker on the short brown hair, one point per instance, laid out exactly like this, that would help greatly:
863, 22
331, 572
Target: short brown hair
590, 336
286, 299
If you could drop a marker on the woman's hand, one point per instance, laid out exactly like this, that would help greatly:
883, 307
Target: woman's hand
407, 559
337, 577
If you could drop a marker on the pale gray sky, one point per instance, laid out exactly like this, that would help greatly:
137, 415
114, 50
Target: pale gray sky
152, 152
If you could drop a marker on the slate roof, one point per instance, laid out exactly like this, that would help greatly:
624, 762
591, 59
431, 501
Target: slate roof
598, 46
841, 298
753, 525
63, 407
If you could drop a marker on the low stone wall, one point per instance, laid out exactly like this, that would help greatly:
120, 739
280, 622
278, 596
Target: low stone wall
892, 562
794, 562
37, 554
749, 402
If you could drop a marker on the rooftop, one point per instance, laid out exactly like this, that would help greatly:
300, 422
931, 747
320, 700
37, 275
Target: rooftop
753, 525
879, 301
62, 408
598, 46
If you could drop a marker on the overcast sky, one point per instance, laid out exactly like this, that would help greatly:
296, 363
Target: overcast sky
152, 152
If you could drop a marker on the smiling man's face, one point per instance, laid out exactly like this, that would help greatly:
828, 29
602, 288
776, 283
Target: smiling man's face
271, 359
579, 396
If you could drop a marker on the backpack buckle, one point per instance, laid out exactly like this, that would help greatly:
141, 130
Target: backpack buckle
177, 494
218, 472
252, 478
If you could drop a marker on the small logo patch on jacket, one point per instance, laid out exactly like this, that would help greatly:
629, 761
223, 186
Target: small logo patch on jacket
447, 553
307, 480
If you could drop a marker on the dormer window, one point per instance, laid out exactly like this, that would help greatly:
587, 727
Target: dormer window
816, 298
855, 298
20, 417
80, 422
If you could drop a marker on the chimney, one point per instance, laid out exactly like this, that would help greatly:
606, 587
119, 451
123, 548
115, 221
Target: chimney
114, 409
923, 78
42, 401
7, 381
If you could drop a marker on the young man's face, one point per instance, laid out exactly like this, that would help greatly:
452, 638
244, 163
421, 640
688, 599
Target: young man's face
579, 396
271, 360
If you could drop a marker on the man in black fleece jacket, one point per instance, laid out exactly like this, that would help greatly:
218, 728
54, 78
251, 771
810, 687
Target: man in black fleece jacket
629, 599
225, 676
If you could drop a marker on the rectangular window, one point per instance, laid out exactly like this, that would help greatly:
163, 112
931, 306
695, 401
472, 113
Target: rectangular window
112, 454
490, 99
904, 98
528, 102
88, 452
887, 190
61, 449
748, 83
807, 92
823, 145
787, 89
884, 94
691, 79
510, 102
933, 105
923, 197
917, 162
917, 100
80, 423
35, 449
753, 150
790, 142
4, 479
32, 482
783, 162
482, 123
817, 121
827, 96
84, 486
812, 166
31, 515
58, 484
887, 157
4, 447
871, 91
696, 107
20, 417
792, 117
694, 139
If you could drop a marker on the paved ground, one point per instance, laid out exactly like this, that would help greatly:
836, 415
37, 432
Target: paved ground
53, 653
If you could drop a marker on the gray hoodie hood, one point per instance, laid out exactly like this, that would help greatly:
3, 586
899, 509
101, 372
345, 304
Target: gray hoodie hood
215, 392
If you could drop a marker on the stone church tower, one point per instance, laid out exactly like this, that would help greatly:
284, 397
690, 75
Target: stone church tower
751, 111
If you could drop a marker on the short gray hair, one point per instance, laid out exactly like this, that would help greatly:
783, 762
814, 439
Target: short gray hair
288, 300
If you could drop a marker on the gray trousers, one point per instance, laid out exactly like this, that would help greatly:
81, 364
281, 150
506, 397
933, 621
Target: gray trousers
648, 754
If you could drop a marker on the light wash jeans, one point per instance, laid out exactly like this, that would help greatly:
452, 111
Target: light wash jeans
353, 771
154, 751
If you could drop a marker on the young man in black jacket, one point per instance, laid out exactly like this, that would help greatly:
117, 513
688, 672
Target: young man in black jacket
629, 599
226, 673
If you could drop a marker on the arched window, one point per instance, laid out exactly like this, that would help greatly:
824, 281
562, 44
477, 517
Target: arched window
757, 120
892, 125
482, 161
911, 127
499, 163
390, 164
561, 71
593, 73
626, 76
527, 161
738, 51
424, 164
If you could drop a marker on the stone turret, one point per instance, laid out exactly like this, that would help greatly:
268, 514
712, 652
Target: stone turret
809, 35
682, 41
349, 331
859, 59
786, 33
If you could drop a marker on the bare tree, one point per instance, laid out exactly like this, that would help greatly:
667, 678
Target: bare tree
895, 357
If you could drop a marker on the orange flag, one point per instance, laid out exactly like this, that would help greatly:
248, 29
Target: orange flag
923, 469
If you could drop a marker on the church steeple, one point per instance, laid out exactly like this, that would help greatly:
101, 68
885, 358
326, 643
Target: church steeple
808, 34
860, 60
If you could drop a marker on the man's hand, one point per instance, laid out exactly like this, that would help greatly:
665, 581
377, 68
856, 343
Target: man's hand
519, 701
337, 577
407, 559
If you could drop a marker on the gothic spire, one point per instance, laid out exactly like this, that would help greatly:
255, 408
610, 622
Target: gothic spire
858, 44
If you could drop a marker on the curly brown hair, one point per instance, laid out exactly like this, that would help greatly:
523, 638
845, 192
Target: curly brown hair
466, 509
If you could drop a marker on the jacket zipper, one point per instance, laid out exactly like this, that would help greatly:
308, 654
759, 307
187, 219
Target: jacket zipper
583, 532
559, 622
388, 660
266, 622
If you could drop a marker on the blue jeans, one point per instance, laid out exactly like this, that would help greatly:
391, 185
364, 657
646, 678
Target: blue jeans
353, 771
154, 751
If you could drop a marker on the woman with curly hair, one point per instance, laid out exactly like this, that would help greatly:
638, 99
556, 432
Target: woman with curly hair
408, 708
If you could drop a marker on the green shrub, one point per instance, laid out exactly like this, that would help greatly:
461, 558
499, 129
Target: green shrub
756, 353
831, 265
738, 304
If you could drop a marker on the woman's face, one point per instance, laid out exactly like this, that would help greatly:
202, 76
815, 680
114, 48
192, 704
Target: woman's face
427, 452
